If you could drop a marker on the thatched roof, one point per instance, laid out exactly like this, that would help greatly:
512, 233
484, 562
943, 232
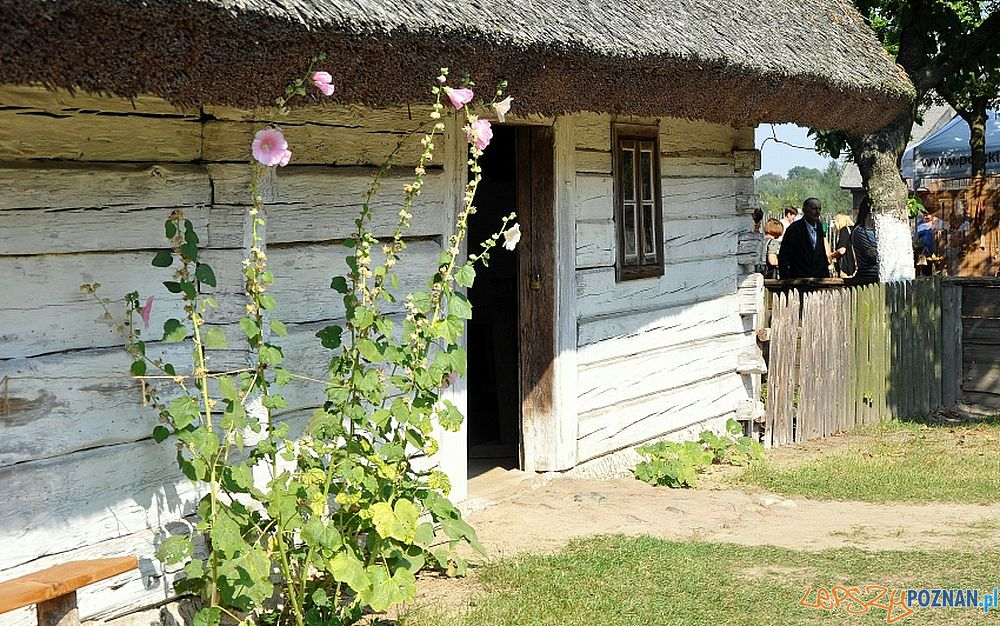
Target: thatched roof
813, 62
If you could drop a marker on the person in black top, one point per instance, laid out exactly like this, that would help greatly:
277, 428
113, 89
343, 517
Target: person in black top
865, 244
804, 250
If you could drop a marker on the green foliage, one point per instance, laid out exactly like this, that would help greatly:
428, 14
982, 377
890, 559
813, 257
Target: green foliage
673, 464
733, 448
343, 519
776, 191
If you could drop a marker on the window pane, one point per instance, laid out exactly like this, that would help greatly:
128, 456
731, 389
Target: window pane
649, 238
628, 173
630, 232
646, 173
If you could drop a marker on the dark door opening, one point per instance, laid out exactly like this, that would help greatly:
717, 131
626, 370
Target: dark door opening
494, 402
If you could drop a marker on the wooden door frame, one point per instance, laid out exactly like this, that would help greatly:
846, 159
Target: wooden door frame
547, 297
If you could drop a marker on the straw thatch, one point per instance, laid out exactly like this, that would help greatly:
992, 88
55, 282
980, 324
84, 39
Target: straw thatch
813, 62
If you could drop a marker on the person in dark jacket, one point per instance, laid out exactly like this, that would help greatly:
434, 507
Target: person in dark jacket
804, 250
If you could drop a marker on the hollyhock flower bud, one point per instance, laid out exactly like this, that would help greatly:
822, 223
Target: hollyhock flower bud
323, 82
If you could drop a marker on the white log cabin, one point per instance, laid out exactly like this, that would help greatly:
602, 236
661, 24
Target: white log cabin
629, 157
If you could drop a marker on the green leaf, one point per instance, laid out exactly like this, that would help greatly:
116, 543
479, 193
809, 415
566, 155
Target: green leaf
189, 251
188, 288
278, 328
174, 331
459, 306
204, 273
339, 284
424, 535
395, 522
227, 388
184, 411
270, 355
138, 367
318, 532
169, 229
345, 568
214, 339
267, 302
329, 337
385, 591
160, 434
451, 418
369, 351
465, 276
172, 286
163, 258
250, 328
175, 549
282, 376
320, 598
208, 616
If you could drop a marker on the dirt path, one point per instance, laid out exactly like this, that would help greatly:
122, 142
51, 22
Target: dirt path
544, 518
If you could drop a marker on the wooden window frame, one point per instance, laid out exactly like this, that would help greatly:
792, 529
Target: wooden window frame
646, 265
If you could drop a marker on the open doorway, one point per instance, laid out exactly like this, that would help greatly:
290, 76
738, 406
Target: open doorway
511, 338
493, 347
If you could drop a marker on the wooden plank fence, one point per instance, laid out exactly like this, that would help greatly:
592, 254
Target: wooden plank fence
852, 356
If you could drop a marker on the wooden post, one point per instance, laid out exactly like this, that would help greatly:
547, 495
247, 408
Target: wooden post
60, 611
951, 344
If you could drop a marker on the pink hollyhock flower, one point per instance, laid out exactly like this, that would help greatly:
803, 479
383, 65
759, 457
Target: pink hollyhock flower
459, 97
480, 132
511, 236
270, 148
322, 80
502, 107
146, 310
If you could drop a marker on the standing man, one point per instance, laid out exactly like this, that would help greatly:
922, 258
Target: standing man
804, 250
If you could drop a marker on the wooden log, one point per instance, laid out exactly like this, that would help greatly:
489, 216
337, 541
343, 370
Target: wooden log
61, 611
322, 144
29, 133
606, 384
634, 332
101, 503
684, 240
50, 209
650, 417
317, 203
601, 295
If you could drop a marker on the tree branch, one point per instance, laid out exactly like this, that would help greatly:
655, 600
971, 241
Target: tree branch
930, 75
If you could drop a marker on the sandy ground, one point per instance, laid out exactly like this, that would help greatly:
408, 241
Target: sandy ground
543, 519
540, 515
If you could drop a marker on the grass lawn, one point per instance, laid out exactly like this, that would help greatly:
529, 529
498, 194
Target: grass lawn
628, 581
895, 462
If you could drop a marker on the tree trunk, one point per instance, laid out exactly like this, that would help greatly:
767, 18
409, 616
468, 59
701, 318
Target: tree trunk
977, 136
878, 156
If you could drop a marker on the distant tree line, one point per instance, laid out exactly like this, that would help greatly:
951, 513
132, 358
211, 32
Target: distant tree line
776, 191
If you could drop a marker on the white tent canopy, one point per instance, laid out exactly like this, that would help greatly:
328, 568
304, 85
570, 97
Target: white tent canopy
946, 154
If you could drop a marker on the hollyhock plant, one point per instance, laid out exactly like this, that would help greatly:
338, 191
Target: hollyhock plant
480, 132
502, 107
459, 97
146, 310
323, 82
270, 148
511, 236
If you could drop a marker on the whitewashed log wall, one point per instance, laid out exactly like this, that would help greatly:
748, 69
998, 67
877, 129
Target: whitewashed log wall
86, 185
658, 355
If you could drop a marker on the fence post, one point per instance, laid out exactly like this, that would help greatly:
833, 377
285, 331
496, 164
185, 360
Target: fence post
951, 344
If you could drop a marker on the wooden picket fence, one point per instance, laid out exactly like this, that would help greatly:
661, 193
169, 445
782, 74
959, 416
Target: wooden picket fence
850, 356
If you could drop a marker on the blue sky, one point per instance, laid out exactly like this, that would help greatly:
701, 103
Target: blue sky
778, 158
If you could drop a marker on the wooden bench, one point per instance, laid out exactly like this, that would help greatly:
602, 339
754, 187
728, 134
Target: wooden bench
53, 590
